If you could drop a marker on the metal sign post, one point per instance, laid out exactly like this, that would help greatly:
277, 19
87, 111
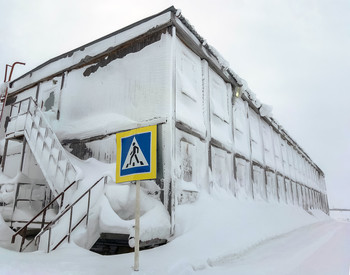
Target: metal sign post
136, 161
137, 227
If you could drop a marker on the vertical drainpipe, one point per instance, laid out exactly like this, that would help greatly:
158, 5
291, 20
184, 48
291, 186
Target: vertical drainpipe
172, 183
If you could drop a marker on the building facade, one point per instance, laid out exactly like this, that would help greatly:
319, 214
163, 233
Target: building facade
212, 132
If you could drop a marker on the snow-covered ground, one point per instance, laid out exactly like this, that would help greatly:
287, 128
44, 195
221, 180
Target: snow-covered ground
321, 248
217, 234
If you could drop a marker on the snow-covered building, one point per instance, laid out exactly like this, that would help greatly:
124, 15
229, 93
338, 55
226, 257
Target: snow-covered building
60, 119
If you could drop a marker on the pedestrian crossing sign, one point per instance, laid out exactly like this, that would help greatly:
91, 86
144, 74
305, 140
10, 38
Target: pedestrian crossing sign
137, 154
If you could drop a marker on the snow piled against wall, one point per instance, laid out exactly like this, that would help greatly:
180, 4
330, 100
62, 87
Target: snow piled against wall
114, 205
118, 210
214, 229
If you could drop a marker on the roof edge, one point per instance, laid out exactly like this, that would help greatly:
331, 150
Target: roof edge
171, 9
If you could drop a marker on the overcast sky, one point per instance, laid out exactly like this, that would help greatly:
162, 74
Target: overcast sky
294, 54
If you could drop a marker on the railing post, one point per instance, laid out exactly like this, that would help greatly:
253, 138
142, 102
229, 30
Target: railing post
70, 223
11, 110
37, 241
49, 241
62, 200
43, 219
19, 108
4, 155
88, 208
30, 102
23, 238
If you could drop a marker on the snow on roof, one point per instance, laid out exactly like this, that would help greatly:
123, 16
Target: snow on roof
85, 53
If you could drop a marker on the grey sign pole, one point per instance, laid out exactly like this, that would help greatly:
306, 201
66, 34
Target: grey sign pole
137, 227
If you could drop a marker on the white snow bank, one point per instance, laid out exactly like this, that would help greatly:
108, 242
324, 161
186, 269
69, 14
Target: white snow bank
228, 226
7, 193
111, 222
117, 213
265, 110
214, 228
3, 87
103, 124
8, 184
5, 237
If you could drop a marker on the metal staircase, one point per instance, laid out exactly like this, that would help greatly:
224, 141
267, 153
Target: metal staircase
72, 219
27, 120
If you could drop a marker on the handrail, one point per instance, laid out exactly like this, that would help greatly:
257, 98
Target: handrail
339, 209
20, 104
69, 208
12, 67
23, 230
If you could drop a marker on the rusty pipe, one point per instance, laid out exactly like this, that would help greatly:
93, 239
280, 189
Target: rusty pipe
13, 66
5, 96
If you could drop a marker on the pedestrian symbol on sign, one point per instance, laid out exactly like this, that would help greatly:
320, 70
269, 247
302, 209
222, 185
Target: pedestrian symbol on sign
135, 157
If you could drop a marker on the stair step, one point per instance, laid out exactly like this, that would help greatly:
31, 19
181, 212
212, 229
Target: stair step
43, 132
29, 200
48, 141
37, 121
55, 153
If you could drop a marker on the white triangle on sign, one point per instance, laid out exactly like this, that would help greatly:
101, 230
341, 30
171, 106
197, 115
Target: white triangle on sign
135, 157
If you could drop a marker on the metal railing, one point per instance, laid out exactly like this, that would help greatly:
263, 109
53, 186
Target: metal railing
69, 209
71, 226
23, 231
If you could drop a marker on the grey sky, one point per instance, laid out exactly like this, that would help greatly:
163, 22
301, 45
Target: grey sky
294, 54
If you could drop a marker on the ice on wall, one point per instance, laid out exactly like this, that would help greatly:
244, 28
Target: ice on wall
268, 145
189, 91
271, 186
221, 167
243, 187
277, 152
220, 95
142, 79
241, 125
191, 171
255, 136
259, 186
